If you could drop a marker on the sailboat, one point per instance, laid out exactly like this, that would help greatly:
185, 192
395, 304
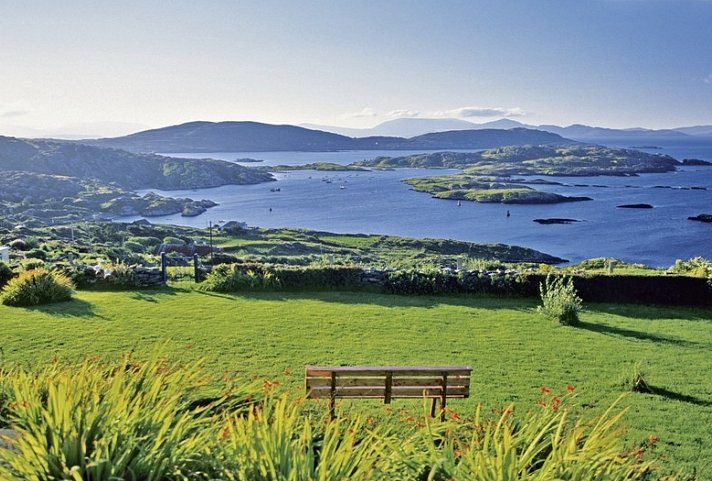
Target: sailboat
459, 203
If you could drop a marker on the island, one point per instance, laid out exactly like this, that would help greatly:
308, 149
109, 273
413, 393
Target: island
635, 206
487, 176
707, 218
485, 189
556, 220
566, 160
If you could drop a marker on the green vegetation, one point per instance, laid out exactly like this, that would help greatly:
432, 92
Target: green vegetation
127, 170
36, 286
153, 421
126, 420
512, 349
475, 185
536, 160
230, 278
85, 242
559, 300
485, 189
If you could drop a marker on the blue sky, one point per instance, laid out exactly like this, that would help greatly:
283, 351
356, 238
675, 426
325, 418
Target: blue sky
107, 67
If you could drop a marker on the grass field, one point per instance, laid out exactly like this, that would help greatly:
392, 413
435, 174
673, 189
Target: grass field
512, 348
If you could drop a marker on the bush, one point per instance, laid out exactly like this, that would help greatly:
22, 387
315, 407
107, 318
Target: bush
30, 264
318, 277
695, 267
173, 240
36, 254
120, 276
634, 380
38, 286
5, 274
416, 282
133, 247
560, 302
233, 278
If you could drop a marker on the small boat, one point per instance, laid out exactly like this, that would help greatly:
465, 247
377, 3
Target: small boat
459, 203
342, 187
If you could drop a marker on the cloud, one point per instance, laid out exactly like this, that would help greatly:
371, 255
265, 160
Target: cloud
467, 112
10, 112
365, 112
708, 79
401, 113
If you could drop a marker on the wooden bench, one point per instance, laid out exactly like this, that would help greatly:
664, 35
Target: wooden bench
388, 382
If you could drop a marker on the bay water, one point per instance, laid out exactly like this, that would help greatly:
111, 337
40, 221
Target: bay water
378, 202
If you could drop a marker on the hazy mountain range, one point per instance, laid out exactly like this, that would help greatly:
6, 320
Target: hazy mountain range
259, 137
410, 127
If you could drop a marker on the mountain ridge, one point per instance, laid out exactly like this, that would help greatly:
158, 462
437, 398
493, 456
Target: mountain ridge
247, 136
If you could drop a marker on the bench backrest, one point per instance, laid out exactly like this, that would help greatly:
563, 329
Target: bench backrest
387, 382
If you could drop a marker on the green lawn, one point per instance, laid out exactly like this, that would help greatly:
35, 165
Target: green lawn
513, 350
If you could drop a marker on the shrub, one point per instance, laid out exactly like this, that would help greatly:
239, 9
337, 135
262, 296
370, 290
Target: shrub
234, 278
695, 267
120, 276
560, 302
173, 240
318, 277
30, 264
133, 246
5, 274
416, 282
36, 254
147, 241
38, 286
634, 380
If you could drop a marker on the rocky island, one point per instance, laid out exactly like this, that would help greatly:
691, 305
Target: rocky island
474, 184
707, 218
485, 189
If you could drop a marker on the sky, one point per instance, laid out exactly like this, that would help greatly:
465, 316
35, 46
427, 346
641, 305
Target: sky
104, 68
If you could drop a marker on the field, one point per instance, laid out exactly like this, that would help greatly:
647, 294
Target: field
514, 351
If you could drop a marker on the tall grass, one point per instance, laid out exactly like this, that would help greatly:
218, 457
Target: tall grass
129, 421
151, 422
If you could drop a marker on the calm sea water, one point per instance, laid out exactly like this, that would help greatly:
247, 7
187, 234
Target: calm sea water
378, 202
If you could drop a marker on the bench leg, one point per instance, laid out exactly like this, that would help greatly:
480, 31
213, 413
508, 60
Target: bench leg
432, 407
332, 398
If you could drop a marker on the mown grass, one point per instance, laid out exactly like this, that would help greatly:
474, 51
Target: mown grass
512, 348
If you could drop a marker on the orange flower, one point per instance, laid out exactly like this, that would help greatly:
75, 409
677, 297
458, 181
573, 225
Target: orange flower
653, 439
287, 372
570, 388
544, 390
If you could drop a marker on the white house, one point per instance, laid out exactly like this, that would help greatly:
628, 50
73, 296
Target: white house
4, 254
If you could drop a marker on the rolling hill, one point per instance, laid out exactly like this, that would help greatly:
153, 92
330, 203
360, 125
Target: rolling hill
259, 137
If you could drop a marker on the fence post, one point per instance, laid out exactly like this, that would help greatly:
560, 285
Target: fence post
164, 267
196, 268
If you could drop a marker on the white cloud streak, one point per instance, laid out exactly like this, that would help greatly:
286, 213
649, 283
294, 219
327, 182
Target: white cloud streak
467, 112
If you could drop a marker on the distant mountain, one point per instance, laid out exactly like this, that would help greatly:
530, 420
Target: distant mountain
411, 127
258, 137
698, 130
587, 133
407, 127
125, 169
